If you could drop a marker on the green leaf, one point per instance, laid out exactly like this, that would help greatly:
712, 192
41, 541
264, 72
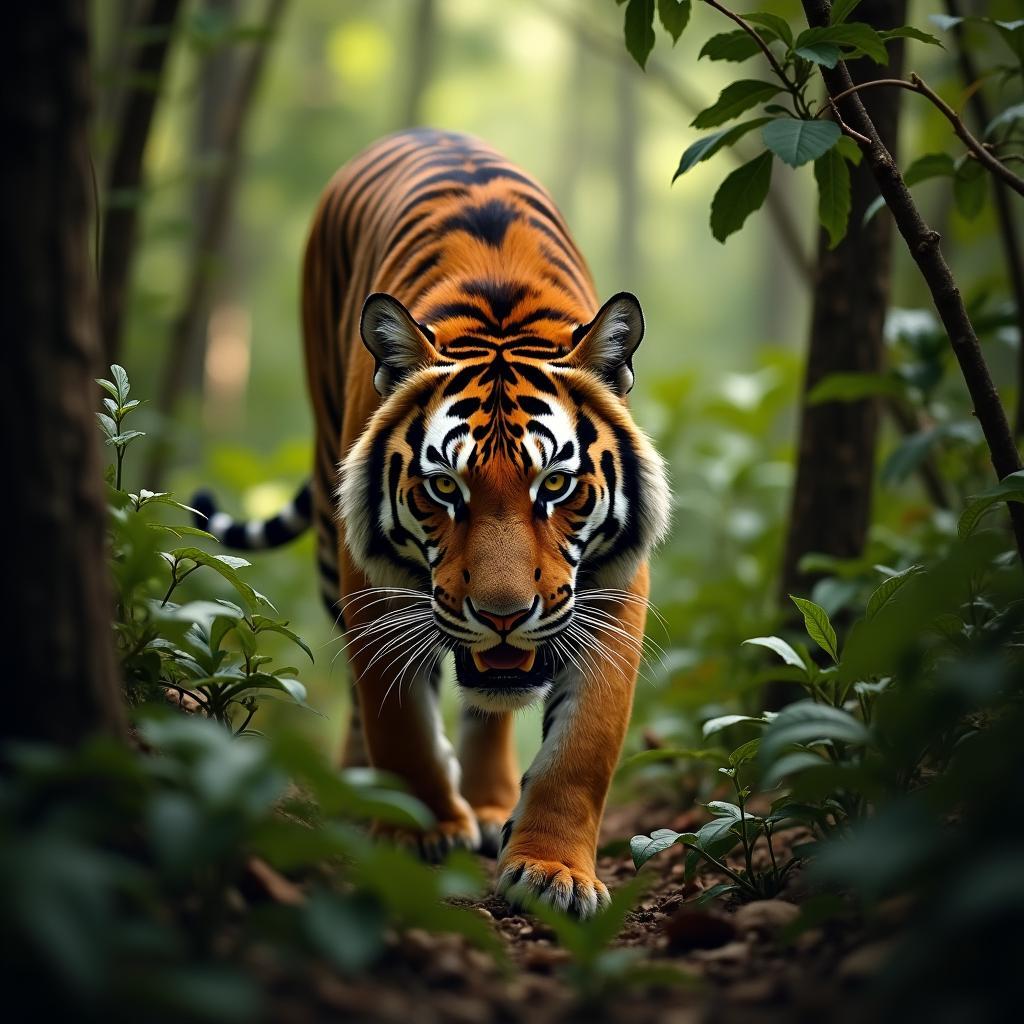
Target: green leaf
736, 46
885, 591
734, 99
850, 150
852, 387
841, 10
707, 146
674, 14
225, 566
107, 424
705, 896
1010, 488
120, 440
745, 752
832, 174
777, 24
855, 39
826, 54
909, 32
797, 142
970, 188
931, 165
1009, 116
713, 725
265, 625
818, 626
780, 647
121, 382
876, 204
644, 848
639, 30
107, 386
740, 195
182, 531
807, 723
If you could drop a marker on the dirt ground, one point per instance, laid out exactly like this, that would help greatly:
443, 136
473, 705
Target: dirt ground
738, 966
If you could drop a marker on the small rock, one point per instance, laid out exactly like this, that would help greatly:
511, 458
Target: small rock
765, 916
690, 928
484, 913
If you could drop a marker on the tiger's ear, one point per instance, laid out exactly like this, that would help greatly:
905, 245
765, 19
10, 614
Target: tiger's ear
396, 341
606, 345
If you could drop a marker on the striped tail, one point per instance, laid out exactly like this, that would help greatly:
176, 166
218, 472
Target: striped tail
253, 534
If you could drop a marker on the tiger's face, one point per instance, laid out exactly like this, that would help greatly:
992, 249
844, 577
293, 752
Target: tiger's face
501, 477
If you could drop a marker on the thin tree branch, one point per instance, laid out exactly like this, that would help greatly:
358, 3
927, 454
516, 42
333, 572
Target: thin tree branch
916, 84
923, 244
211, 235
1004, 214
120, 219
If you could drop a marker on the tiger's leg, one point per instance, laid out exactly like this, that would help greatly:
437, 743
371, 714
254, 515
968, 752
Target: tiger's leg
490, 775
550, 846
402, 725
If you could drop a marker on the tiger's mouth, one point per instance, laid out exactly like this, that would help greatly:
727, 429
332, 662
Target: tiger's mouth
504, 669
504, 658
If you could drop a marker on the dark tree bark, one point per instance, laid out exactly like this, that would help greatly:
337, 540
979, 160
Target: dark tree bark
627, 235
923, 245
120, 220
831, 502
61, 669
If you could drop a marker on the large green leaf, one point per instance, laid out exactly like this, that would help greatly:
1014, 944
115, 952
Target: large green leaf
855, 39
818, 625
909, 32
775, 23
797, 142
841, 10
644, 848
1010, 488
639, 29
674, 14
708, 145
885, 591
736, 46
1009, 116
832, 174
740, 195
807, 723
780, 647
930, 165
970, 187
734, 99
826, 54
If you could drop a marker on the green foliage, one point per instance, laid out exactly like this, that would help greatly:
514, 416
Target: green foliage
805, 132
121, 872
206, 651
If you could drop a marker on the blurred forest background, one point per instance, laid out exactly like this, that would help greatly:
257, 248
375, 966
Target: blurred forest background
213, 328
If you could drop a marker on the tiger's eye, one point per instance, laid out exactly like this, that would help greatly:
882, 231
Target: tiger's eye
555, 482
444, 485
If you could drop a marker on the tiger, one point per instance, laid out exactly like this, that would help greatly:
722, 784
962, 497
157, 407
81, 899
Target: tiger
481, 490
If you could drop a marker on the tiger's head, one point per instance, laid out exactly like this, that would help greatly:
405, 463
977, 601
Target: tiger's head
502, 475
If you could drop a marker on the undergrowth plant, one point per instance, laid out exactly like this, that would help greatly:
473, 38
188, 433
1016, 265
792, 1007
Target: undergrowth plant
206, 652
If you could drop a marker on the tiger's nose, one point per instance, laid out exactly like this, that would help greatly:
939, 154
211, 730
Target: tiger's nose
503, 623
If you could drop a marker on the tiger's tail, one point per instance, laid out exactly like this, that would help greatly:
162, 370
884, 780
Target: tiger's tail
255, 534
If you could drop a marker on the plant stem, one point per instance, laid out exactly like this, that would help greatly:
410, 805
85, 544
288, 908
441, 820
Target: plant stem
923, 243
771, 852
747, 845
741, 882
791, 87
918, 85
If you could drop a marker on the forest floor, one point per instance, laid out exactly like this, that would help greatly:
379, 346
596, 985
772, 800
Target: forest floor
738, 962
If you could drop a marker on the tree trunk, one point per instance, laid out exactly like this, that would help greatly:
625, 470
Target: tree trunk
831, 503
125, 176
61, 669
420, 62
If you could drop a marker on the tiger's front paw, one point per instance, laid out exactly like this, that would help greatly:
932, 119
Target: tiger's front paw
523, 879
457, 830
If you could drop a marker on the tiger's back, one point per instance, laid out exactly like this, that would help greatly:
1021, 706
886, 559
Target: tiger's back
429, 217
